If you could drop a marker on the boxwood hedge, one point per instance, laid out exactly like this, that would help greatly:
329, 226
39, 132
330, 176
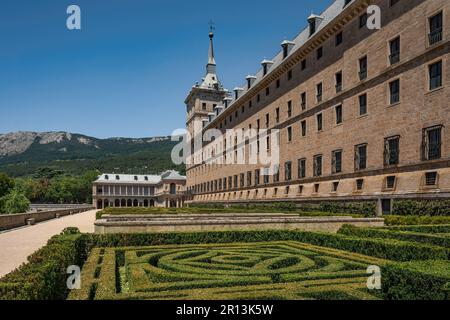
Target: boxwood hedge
44, 276
416, 280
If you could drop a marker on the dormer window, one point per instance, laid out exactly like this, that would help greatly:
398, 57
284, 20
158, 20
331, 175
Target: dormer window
314, 22
117, 177
312, 27
287, 47
266, 65
135, 178
146, 178
106, 177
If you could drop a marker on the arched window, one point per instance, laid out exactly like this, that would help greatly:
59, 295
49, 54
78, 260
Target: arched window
135, 203
123, 203
145, 203
129, 203
152, 203
117, 203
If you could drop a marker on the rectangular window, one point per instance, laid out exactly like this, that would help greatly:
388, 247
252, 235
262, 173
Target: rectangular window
319, 89
319, 53
289, 109
336, 162
431, 178
289, 134
339, 82
235, 181
363, 68
435, 75
288, 171
394, 89
394, 46
391, 151
363, 104
436, 27
393, 2
359, 184
266, 176
277, 115
303, 64
317, 166
267, 91
339, 39
289, 75
335, 186
267, 120
301, 168
278, 83
319, 122
204, 106
242, 180
363, 20
338, 114
303, 128
431, 144
390, 182
361, 157
257, 172
276, 173
303, 100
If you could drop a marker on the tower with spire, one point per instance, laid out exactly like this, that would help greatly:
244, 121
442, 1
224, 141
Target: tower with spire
205, 97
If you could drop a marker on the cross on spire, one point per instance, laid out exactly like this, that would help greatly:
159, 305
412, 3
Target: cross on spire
211, 26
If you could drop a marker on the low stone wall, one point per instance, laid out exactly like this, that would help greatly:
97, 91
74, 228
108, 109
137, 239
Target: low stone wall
10, 221
224, 222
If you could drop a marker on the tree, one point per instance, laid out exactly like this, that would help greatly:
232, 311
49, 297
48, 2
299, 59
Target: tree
6, 184
15, 202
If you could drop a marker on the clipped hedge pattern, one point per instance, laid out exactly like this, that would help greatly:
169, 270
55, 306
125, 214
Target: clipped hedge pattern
417, 280
45, 275
421, 207
266, 270
415, 220
438, 240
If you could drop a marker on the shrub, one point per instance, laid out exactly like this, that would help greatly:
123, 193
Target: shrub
395, 234
15, 202
421, 207
415, 220
417, 280
44, 276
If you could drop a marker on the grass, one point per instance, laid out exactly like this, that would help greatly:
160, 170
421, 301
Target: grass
264, 270
200, 210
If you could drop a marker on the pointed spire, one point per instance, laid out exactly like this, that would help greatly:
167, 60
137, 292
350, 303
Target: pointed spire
211, 59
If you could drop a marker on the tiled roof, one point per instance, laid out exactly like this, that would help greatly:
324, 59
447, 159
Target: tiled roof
139, 179
328, 15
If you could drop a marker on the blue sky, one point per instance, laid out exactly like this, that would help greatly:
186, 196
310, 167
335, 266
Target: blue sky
127, 72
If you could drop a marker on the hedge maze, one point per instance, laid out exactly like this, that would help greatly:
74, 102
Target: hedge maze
259, 270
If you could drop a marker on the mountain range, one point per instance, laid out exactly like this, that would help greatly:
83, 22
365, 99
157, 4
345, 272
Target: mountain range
24, 153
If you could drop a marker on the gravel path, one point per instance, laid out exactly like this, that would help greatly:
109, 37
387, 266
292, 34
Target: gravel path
17, 245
